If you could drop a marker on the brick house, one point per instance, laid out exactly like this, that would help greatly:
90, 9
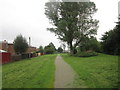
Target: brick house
31, 49
4, 45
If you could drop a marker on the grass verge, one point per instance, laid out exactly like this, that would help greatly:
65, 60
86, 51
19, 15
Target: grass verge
96, 72
37, 72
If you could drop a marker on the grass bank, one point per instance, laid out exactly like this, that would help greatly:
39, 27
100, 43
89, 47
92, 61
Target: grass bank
95, 72
31, 73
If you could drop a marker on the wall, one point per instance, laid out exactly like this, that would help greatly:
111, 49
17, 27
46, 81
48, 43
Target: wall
11, 49
6, 57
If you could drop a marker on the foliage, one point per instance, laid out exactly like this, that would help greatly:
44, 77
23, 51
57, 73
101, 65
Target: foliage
52, 46
95, 72
20, 44
29, 73
41, 50
111, 41
72, 21
60, 50
50, 49
90, 44
86, 54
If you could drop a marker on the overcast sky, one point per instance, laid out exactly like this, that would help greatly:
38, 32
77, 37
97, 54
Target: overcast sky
27, 17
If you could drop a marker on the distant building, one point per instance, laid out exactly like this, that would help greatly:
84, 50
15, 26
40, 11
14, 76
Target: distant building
31, 49
3, 45
8, 47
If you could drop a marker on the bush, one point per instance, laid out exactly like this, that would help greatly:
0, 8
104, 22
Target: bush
86, 54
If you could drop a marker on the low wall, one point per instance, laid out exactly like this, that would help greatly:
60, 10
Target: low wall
16, 57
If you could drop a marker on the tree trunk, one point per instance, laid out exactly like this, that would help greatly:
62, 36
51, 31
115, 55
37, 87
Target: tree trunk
72, 49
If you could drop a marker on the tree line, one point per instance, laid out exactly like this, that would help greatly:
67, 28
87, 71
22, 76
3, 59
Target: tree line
21, 46
50, 49
111, 41
74, 24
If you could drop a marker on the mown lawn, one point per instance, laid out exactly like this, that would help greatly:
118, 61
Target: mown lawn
95, 72
30, 73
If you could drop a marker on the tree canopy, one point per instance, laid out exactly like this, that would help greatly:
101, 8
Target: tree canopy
90, 44
20, 44
72, 21
111, 41
52, 46
50, 49
60, 50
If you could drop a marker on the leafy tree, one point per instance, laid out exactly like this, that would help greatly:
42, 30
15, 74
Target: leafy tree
60, 50
90, 44
72, 20
52, 46
20, 44
41, 50
111, 41
50, 49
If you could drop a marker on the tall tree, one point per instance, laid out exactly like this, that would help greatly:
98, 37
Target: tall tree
20, 44
49, 50
72, 21
111, 41
60, 50
52, 46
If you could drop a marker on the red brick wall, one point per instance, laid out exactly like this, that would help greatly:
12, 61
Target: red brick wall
6, 57
4, 46
11, 49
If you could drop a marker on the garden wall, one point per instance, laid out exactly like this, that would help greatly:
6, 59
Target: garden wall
5, 57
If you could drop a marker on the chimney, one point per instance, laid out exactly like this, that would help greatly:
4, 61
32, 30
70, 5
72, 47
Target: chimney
5, 45
29, 41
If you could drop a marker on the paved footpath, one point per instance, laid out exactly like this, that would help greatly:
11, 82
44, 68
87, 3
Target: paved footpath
64, 74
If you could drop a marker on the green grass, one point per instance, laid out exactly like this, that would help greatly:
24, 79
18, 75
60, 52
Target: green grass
37, 72
95, 72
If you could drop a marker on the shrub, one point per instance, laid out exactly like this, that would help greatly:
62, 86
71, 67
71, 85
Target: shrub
86, 54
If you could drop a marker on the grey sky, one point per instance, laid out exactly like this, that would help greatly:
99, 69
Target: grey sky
27, 17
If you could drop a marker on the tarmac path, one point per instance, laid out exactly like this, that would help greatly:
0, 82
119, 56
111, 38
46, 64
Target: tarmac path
64, 74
